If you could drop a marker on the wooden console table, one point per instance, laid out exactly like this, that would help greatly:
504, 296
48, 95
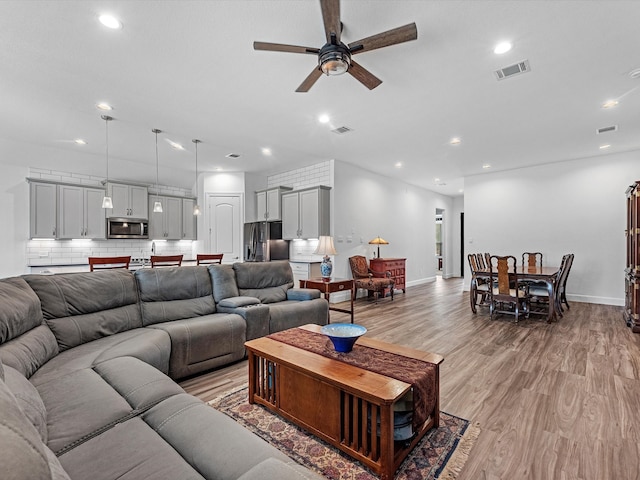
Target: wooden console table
332, 285
290, 381
397, 267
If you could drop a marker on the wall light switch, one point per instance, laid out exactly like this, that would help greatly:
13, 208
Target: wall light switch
339, 239
349, 239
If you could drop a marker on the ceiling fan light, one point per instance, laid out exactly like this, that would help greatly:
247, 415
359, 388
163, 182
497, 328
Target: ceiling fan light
334, 63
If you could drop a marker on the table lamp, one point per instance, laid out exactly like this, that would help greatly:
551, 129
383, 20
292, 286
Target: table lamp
326, 248
378, 241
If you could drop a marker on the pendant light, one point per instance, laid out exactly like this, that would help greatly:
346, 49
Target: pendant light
157, 205
106, 200
196, 207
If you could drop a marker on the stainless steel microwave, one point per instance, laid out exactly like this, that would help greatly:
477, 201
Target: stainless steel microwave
127, 228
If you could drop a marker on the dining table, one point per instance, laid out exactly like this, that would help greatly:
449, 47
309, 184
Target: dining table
534, 273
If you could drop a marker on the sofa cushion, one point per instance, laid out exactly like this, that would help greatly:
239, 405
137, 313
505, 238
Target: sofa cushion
235, 302
81, 307
28, 399
223, 278
22, 453
302, 294
168, 294
205, 342
277, 469
20, 310
268, 281
150, 346
31, 350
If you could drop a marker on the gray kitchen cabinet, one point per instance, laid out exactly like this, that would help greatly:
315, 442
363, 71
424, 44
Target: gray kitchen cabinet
129, 201
305, 213
43, 210
165, 225
189, 220
268, 204
80, 212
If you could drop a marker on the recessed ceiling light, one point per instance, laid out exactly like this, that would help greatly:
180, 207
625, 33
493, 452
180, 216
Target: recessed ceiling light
103, 106
604, 147
398, 165
218, 169
110, 21
502, 47
461, 190
455, 141
436, 179
610, 103
80, 141
174, 145
486, 166
324, 118
266, 151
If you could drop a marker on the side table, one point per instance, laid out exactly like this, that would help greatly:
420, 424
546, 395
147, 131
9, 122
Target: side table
329, 286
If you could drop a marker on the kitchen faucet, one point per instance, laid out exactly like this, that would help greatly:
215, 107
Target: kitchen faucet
153, 248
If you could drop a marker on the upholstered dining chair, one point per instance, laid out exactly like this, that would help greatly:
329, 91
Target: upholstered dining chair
374, 282
508, 294
103, 263
479, 286
166, 260
208, 258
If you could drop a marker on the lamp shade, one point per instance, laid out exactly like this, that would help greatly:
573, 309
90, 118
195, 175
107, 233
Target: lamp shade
378, 241
325, 246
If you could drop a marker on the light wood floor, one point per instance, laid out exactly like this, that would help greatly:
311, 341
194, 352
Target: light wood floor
554, 401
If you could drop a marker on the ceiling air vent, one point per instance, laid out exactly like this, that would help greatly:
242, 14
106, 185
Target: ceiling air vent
341, 130
612, 128
511, 70
232, 155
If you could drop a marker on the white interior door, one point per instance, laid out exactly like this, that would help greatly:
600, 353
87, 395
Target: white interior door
224, 227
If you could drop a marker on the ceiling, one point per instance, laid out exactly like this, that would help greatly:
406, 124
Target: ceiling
189, 69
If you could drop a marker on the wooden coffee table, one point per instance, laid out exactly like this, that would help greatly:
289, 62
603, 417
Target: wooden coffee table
336, 401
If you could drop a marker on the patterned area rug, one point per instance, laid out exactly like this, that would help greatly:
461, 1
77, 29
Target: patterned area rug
441, 454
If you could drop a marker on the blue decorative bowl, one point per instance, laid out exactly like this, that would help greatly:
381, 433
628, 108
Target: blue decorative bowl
343, 335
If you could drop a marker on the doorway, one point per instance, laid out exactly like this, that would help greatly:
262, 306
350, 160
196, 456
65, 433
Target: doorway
440, 241
223, 228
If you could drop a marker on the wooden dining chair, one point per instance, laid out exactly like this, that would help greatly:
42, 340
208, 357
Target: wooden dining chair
166, 260
209, 258
508, 294
479, 285
532, 259
104, 263
539, 294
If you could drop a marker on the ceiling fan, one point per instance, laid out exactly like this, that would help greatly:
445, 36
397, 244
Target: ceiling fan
334, 58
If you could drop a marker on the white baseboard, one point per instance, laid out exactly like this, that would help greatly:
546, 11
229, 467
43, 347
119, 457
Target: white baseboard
344, 296
618, 302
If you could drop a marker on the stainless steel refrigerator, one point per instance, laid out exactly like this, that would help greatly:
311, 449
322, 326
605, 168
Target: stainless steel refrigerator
263, 242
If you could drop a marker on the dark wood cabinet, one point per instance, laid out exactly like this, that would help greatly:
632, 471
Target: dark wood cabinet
397, 267
632, 270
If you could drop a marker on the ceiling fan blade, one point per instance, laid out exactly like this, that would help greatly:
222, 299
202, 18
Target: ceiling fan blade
384, 39
331, 18
310, 80
281, 47
364, 76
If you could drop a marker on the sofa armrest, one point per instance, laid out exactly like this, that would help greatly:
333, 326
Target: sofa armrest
255, 315
302, 294
235, 302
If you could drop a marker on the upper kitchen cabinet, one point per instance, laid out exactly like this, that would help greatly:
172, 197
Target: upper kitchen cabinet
43, 210
305, 213
268, 204
167, 224
189, 225
80, 212
129, 201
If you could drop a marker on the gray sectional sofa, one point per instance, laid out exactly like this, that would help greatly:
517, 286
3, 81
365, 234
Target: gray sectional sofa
87, 363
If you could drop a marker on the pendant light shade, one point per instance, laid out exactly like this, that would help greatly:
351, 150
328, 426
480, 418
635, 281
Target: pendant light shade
106, 200
196, 207
157, 205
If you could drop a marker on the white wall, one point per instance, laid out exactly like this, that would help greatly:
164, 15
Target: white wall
570, 207
14, 218
366, 205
